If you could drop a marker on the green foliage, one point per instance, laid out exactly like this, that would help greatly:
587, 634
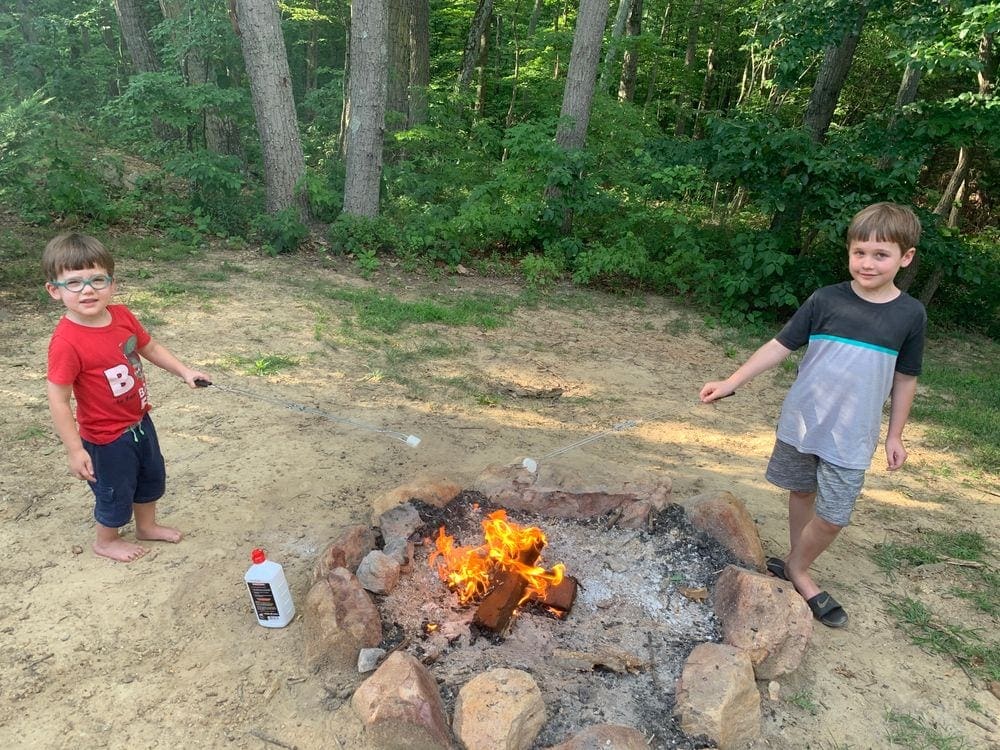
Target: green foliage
283, 231
215, 190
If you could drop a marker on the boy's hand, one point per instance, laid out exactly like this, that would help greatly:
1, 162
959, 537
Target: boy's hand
895, 453
715, 390
191, 376
80, 465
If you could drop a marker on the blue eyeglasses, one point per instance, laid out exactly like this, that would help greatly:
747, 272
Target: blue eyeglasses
97, 283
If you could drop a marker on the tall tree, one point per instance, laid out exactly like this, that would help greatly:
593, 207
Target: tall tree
630, 60
581, 79
474, 42
136, 36
258, 25
398, 83
367, 94
420, 63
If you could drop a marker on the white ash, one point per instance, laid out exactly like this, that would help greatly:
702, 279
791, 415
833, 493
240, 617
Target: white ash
629, 602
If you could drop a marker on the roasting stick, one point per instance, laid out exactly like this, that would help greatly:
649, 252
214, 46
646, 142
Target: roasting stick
411, 440
531, 464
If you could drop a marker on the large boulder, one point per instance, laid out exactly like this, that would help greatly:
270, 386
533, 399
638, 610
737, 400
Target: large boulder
340, 619
717, 697
725, 518
765, 617
499, 710
401, 708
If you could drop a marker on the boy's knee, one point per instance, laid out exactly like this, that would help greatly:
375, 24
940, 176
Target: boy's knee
829, 527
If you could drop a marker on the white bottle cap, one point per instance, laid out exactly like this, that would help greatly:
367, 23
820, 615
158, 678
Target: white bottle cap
413, 441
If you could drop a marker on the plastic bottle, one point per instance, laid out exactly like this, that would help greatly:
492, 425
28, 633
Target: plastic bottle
269, 593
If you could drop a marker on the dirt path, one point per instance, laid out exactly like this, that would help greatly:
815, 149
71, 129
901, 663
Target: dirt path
164, 652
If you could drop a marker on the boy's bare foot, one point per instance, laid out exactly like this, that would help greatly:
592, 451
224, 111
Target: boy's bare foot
157, 533
119, 549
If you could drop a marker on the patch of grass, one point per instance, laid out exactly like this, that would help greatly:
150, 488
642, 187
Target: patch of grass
387, 314
985, 596
935, 546
962, 645
960, 400
913, 733
265, 364
804, 700
168, 289
891, 557
153, 248
31, 432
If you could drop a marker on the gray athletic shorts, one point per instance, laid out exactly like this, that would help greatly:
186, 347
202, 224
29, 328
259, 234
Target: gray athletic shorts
836, 488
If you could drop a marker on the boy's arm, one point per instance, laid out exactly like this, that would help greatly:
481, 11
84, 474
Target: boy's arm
80, 464
769, 355
162, 357
904, 388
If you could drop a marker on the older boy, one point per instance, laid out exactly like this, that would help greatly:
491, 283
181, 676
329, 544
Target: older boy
94, 356
865, 343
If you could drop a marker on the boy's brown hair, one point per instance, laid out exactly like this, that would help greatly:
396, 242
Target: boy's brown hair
885, 222
72, 251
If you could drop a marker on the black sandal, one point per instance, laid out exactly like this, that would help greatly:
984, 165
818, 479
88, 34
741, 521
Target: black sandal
826, 609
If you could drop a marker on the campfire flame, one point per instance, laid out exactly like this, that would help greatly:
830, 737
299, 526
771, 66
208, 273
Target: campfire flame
469, 571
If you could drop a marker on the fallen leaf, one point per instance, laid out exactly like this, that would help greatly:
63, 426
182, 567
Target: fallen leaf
696, 595
77, 549
995, 688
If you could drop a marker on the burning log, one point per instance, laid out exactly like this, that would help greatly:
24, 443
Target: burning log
497, 607
558, 597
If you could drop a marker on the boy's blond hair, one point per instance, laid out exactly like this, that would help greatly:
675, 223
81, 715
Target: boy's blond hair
72, 251
885, 222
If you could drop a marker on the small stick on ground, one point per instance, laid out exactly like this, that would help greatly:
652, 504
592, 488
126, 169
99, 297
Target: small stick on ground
265, 738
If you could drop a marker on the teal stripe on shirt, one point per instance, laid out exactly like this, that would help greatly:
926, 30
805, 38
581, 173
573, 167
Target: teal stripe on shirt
853, 342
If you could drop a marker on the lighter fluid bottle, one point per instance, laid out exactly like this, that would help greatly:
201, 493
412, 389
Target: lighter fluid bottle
269, 593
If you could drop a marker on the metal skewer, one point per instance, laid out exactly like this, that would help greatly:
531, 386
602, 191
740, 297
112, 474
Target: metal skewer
411, 440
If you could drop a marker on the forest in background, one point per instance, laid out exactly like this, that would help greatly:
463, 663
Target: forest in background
714, 150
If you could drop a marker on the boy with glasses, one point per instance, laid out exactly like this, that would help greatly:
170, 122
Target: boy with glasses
94, 355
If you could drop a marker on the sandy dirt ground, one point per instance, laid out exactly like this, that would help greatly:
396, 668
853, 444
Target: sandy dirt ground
165, 652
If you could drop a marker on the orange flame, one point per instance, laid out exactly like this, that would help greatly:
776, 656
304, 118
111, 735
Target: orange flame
468, 570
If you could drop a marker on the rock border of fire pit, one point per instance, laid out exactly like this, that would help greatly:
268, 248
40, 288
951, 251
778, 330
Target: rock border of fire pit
765, 624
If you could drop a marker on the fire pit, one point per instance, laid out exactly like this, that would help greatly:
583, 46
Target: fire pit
611, 649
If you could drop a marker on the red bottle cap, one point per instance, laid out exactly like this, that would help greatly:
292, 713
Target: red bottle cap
258, 556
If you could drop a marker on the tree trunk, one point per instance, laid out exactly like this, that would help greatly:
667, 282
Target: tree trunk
135, 36
365, 129
624, 11
197, 70
830, 80
481, 78
706, 86
574, 117
470, 57
345, 109
818, 116
420, 65
581, 78
630, 62
535, 12
680, 127
907, 94
259, 28
398, 83
664, 28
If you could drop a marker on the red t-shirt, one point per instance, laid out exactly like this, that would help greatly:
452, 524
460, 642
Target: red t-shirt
103, 366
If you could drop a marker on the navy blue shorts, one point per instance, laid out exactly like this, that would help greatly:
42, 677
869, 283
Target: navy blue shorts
129, 469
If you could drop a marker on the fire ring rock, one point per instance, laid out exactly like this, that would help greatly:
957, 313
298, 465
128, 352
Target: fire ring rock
339, 620
401, 707
765, 617
499, 710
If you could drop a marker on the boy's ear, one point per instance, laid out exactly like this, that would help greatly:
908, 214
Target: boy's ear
907, 257
52, 290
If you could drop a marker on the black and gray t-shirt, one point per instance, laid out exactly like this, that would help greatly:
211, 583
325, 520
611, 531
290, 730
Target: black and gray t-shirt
834, 408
